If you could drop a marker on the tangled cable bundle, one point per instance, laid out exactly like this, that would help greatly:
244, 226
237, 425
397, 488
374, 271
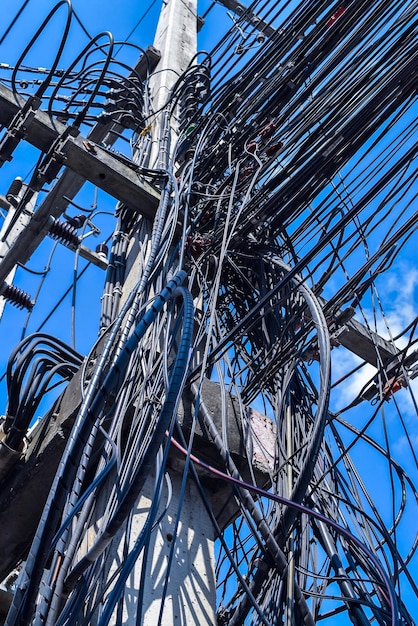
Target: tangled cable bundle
285, 202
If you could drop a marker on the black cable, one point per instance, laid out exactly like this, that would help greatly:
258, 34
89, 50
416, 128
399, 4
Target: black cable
14, 20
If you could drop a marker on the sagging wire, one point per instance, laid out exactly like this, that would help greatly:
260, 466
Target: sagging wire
314, 514
292, 119
37, 365
45, 83
89, 411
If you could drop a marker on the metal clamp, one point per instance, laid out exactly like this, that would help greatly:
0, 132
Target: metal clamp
17, 129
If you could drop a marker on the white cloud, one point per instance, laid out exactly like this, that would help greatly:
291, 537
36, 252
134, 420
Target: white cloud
398, 294
402, 445
343, 362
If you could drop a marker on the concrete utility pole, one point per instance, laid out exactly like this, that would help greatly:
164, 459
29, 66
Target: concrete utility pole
176, 39
176, 42
190, 596
173, 580
190, 593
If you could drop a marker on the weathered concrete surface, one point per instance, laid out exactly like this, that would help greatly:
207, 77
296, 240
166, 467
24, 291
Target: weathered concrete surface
24, 491
191, 589
251, 444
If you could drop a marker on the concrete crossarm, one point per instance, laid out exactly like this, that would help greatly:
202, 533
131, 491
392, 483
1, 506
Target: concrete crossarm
116, 175
367, 344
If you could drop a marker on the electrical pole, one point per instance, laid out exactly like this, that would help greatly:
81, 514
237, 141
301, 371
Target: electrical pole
188, 566
145, 458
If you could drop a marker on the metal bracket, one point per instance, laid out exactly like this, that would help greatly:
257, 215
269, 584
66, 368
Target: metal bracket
55, 157
18, 128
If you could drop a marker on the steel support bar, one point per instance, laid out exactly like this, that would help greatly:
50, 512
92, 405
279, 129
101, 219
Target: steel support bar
117, 178
249, 16
70, 183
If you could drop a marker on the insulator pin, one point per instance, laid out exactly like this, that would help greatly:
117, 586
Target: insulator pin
78, 221
16, 296
14, 190
102, 250
65, 233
